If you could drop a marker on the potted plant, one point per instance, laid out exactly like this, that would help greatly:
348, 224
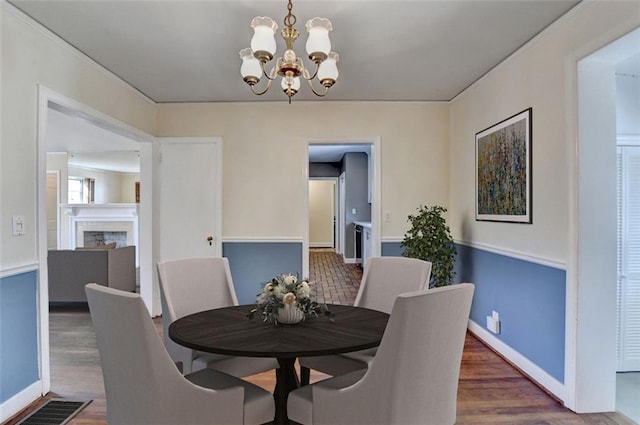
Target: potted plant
429, 239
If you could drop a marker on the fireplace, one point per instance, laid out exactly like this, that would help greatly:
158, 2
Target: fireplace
97, 238
94, 232
100, 224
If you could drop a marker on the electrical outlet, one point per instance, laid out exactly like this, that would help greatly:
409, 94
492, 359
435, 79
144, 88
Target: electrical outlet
387, 216
493, 325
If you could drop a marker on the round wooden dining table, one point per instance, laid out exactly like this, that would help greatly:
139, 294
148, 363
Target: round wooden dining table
229, 331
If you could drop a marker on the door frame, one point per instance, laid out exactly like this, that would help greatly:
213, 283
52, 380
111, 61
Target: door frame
47, 97
341, 213
590, 305
374, 164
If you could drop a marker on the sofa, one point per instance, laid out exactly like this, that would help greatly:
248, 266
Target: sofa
71, 270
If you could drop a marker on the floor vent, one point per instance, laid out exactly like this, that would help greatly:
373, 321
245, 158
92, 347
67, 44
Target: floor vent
56, 411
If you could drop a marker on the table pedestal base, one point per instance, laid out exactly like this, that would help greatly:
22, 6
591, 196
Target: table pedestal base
286, 381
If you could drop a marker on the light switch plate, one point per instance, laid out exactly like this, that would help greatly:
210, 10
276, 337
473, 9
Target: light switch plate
17, 225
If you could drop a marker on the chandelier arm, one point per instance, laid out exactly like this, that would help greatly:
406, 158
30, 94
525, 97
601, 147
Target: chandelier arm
317, 93
271, 75
305, 72
266, 89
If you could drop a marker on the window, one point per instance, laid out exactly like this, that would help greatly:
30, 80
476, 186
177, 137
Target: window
81, 190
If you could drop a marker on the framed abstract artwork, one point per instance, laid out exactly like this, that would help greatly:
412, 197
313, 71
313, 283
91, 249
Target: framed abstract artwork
503, 170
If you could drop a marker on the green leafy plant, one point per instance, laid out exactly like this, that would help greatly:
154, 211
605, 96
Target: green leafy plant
429, 239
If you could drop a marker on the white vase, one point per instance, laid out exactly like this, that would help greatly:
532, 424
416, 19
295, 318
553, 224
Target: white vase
290, 315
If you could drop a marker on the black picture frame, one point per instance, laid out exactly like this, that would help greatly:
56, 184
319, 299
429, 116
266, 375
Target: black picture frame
503, 170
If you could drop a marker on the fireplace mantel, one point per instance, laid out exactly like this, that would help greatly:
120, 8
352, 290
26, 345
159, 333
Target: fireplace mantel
103, 210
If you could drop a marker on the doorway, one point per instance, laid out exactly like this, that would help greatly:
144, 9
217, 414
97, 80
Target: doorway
50, 103
594, 231
332, 160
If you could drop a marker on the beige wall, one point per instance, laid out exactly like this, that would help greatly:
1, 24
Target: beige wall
538, 76
264, 148
128, 186
30, 57
110, 187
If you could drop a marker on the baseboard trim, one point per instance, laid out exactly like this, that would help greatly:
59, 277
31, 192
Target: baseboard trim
20, 401
526, 366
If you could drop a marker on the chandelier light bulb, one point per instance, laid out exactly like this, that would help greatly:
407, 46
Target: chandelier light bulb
263, 42
318, 43
290, 82
328, 71
250, 68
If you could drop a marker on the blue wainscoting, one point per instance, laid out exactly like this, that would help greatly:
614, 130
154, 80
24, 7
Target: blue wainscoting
18, 333
391, 249
252, 264
530, 299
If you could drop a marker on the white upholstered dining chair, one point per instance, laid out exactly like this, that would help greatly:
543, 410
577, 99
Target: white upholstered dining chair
191, 285
383, 280
413, 379
143, 385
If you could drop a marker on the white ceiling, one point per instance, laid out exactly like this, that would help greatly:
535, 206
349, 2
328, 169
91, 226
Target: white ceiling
187, 51
90, 146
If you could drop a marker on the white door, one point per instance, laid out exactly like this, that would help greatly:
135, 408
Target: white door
629, 259
189, 190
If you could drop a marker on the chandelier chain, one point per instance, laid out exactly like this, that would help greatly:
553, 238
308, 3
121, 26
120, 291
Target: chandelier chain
290, 19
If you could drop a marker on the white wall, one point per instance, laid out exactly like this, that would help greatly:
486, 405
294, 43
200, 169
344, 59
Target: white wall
264, 164
628, 104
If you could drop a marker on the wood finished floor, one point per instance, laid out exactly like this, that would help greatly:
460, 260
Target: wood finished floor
490, 390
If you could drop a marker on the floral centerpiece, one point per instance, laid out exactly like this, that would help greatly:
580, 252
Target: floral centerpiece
287, 299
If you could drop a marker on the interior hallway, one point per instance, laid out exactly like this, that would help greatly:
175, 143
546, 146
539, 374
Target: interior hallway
333, 281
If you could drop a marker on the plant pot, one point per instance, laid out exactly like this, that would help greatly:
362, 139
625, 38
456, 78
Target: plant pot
290, 315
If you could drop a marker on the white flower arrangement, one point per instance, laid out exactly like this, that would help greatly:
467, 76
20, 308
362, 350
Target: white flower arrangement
288, 291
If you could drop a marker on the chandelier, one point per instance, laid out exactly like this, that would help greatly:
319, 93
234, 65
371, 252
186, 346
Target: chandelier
289, 67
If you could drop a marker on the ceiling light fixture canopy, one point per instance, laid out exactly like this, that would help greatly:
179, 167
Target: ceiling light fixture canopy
290, 67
